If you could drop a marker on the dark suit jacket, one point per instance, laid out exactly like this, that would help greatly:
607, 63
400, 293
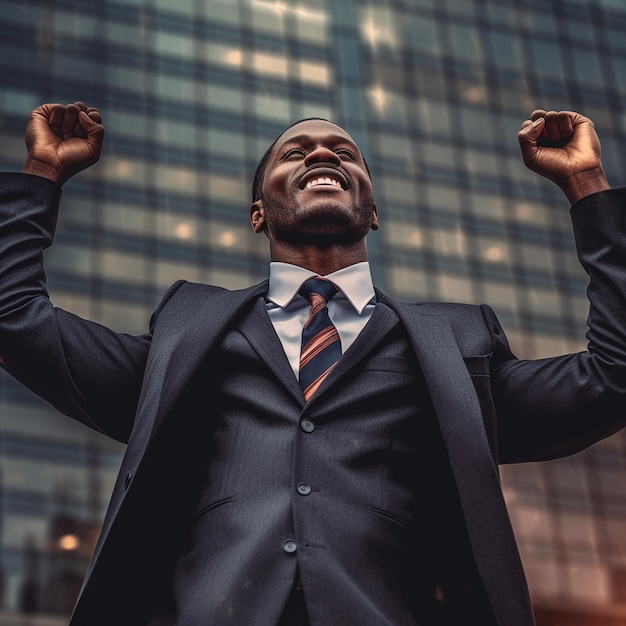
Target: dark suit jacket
490, 406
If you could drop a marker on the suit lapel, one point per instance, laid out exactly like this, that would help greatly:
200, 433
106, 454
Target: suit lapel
383, 320
451, 389
184, 332
259, 331
460, 420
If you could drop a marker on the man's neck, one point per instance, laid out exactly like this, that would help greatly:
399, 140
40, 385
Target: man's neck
321, 261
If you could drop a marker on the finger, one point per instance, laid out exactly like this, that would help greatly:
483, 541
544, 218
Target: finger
78, 130
554, 129
565, 121
90, 126
540, 114
94, 114
94, 133
55, 114
69, 121
536, 114
528, 138
531, 130
552, 126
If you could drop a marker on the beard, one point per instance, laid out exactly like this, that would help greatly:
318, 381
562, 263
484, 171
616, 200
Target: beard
322, 223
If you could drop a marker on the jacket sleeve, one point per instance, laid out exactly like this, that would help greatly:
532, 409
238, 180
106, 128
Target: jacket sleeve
85, 370
557, 406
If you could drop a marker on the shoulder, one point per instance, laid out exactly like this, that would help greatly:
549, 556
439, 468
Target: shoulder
184, 290
185, 299
456, 313
464, 319
476, 328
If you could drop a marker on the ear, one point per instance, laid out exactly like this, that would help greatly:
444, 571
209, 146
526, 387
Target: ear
257, 216
374, 225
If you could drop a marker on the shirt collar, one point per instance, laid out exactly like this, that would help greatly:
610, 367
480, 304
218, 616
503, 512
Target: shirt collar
354, 281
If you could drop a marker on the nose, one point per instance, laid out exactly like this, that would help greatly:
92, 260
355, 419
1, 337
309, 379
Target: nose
322, 154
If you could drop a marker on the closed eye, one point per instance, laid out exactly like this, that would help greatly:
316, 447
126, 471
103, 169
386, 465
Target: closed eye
293, 152
346, 152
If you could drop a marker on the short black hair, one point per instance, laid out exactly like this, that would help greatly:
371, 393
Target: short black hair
259, 174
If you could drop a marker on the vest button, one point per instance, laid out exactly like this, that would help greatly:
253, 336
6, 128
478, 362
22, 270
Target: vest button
307, 426
289, 546
304, 489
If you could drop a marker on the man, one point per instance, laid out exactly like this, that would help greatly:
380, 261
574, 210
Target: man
367, 494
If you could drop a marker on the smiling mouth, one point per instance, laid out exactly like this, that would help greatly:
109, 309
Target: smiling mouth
325, 181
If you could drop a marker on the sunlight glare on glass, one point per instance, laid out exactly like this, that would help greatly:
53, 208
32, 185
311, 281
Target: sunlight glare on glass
233, 57
375, 34
494, 254
69, 542
476, 95
378, 97
123, 169
183, 230
227, 239
416, 238
280, 8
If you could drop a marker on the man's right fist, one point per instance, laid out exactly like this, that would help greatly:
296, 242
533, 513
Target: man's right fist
62, 140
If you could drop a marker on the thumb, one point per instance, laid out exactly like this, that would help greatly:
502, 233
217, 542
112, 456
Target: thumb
90, 125
531, 131
528, 137
94, 131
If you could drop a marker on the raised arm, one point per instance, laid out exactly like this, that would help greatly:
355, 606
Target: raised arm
62, 140
82, 368
557, 406
564, 148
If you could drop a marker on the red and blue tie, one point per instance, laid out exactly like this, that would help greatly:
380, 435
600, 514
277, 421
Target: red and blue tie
321, 346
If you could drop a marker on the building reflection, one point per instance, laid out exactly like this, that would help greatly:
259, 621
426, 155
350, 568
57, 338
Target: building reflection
192, 92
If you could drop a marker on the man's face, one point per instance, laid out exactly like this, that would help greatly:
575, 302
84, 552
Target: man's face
316, 188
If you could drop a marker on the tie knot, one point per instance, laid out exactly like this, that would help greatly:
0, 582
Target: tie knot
319, 286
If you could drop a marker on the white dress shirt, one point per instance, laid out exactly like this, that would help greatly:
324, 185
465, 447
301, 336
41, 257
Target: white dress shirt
349, 310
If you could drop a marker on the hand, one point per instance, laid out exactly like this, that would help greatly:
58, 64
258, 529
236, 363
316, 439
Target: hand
564, 147
62, 140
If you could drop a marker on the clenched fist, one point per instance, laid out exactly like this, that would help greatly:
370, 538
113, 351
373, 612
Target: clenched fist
62, 140
564, 147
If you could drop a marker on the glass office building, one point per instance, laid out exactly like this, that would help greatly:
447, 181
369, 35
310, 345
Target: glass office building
191, 93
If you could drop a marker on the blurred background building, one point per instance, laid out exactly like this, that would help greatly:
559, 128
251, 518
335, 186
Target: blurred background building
192, 92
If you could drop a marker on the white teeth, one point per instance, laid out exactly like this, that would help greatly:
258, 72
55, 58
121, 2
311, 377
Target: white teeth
323, 180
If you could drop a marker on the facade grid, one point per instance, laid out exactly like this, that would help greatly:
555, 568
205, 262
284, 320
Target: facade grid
191, 94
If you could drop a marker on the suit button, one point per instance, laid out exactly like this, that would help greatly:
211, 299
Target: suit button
304, 489
127, 480
289, 546
307, 426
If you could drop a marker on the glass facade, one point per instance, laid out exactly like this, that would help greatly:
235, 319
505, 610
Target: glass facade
434, 91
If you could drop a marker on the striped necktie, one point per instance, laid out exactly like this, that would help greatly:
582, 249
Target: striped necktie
321, 347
